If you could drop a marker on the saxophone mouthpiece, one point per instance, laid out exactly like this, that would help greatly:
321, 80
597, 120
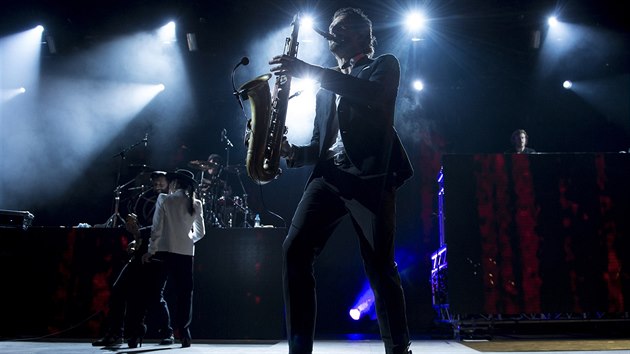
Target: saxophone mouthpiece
327, 36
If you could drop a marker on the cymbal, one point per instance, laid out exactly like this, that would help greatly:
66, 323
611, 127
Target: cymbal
206, 181
202, 165
237, 169
141, 166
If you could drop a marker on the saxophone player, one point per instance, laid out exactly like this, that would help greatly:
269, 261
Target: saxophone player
359, 162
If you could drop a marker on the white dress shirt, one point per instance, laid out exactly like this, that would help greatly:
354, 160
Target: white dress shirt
337, 147
174, 229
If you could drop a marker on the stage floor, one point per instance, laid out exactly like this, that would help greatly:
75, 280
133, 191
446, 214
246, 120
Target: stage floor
211, 347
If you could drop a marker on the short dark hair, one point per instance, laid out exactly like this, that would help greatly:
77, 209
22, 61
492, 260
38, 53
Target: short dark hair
216, 157
517, 133
358, 21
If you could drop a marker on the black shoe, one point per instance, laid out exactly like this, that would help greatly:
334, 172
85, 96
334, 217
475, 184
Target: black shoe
405, 351
134, 342
108, 341
186, 341
167, 341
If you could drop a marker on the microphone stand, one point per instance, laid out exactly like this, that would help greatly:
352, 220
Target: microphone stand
238, 94
228, 145
112, 221
245, 207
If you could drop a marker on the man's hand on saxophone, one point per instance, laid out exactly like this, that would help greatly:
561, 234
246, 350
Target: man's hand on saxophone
286, 149
294, 67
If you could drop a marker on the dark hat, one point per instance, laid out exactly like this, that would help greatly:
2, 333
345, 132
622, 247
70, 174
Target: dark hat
184, 176
156, 174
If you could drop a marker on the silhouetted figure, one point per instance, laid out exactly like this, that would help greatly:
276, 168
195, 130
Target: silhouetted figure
359, 163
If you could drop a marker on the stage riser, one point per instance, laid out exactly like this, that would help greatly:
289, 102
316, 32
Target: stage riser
57, 278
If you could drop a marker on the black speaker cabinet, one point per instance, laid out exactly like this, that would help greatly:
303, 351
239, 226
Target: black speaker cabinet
238, 284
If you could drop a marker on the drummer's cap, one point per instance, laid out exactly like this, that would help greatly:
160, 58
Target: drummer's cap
156, 174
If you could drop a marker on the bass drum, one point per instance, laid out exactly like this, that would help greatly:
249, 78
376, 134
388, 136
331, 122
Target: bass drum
232, 212
144, 207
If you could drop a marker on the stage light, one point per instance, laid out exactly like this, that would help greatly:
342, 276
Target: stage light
11, 93
307, 30
415, 23
567, 84
552, 21
364, 305
161, 87
355, 314
167, 33
304, 85
301, 109
362, 308
307, 22
20, 55
418, 85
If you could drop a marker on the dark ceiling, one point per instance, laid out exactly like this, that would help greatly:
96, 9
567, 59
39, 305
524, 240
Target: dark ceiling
89, 19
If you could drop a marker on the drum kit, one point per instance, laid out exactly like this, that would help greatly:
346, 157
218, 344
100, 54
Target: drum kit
222, 208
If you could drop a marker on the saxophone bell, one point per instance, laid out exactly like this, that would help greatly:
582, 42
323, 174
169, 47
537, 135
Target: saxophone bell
266, 129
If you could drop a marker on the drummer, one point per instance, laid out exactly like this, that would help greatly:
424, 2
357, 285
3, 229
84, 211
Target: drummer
145, 204
211, 180
159, 182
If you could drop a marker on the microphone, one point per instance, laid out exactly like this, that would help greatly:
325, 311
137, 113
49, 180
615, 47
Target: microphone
244, 61
296, 94
146, 139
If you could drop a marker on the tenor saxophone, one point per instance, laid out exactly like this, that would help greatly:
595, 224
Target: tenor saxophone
266, 128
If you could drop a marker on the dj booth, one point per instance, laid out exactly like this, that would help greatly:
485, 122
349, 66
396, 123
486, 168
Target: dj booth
57, 281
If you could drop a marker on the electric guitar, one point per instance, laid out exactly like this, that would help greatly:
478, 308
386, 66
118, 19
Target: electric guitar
133, 227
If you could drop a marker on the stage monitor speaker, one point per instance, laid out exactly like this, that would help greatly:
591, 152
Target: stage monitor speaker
11, 219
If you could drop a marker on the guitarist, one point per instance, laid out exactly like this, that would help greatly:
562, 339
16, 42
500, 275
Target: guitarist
127, 288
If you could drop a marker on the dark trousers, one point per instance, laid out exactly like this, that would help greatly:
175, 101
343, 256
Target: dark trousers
371, 207
177, 269
127, 295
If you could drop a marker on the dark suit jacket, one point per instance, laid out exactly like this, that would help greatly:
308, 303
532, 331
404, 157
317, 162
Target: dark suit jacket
366, 121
